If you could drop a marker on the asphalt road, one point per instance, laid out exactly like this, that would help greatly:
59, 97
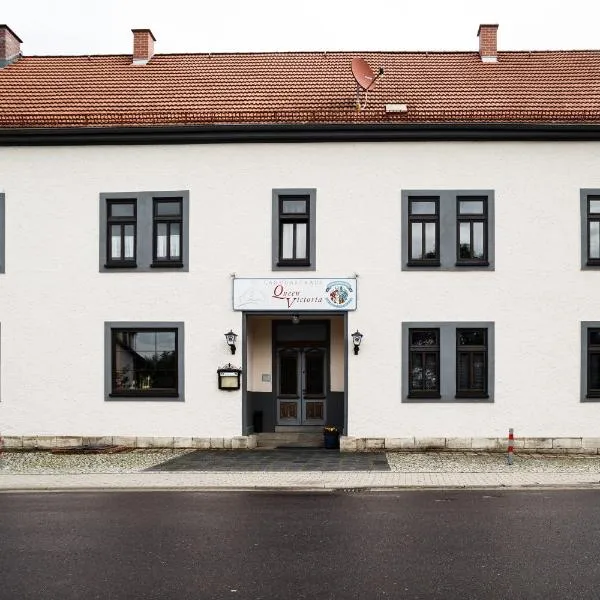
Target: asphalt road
457, 545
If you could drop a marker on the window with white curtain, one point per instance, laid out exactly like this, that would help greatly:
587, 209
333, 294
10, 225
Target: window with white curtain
294, 229
144, 231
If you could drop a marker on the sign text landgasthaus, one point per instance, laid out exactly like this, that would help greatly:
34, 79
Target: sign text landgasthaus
294, 294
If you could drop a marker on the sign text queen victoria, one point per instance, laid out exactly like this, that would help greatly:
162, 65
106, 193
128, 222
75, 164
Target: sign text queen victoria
294, 294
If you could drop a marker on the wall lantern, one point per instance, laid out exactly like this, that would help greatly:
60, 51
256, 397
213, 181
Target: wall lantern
229, 377
357, 337
231, 337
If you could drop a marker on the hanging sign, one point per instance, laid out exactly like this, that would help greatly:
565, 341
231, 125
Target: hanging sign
294, 295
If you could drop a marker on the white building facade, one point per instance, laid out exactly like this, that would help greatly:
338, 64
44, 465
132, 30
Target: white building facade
469, 266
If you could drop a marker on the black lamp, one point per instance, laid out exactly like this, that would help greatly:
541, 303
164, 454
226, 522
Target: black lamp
357, 337
231, 337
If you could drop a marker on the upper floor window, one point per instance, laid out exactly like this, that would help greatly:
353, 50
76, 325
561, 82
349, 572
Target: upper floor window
593, 230
144, 230
424, 230
168, 221
294, 229
448, 230
471, 222
121, 223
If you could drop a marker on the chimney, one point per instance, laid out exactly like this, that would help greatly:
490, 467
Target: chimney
10, 46
143, 46
488, 50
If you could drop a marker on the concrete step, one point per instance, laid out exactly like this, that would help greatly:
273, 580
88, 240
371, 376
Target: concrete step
290, 440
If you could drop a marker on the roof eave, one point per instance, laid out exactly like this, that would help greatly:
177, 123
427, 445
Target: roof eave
298, 133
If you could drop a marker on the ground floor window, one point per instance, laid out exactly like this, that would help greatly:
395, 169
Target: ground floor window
445, 362
590, 361
144, 360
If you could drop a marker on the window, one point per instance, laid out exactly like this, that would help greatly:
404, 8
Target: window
121, 233
424, 363
144, 231
590, 226
448, 230
167, 232
294, 229
2, 202
471, 222
424, 229
448, 362
471, 363
144, 360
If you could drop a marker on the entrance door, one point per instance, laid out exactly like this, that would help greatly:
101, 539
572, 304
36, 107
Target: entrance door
301, 386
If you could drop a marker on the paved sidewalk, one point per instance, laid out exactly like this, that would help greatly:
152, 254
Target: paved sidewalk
244, 470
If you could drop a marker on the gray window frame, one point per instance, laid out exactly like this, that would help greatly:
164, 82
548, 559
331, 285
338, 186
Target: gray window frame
144, 231
312, 229
584, 193
447, 231
109, 326
585, 325
447, 367
2, 232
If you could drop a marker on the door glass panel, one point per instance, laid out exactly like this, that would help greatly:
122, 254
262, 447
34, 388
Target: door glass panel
417, 240
288, 374
314, 373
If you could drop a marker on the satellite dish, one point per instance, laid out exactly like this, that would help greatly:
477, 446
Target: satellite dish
365, 79
363, 74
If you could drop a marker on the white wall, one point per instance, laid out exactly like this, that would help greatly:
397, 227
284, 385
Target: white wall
54, 302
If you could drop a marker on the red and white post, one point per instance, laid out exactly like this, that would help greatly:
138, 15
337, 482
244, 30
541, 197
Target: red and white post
511, 446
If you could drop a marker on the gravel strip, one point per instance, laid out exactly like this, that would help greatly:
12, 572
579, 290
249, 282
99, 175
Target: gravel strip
36, 463
483, 462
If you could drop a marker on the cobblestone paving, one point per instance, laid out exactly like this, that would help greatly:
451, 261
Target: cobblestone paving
48, 463
297, 459
490, 462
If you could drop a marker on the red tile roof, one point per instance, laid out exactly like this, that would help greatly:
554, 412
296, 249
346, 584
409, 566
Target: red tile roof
299, 87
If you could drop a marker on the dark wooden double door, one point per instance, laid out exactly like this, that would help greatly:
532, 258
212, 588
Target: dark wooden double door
301, 385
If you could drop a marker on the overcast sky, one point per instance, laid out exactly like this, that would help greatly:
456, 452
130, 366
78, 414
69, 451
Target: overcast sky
104, 27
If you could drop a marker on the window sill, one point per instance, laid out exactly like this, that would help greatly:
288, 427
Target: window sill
291, 265
424, 397
478, 263
166, 265
415, 263
592, 263
143, 395
121, 265
472, 396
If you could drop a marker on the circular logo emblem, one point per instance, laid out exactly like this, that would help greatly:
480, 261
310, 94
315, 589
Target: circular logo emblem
339, 294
